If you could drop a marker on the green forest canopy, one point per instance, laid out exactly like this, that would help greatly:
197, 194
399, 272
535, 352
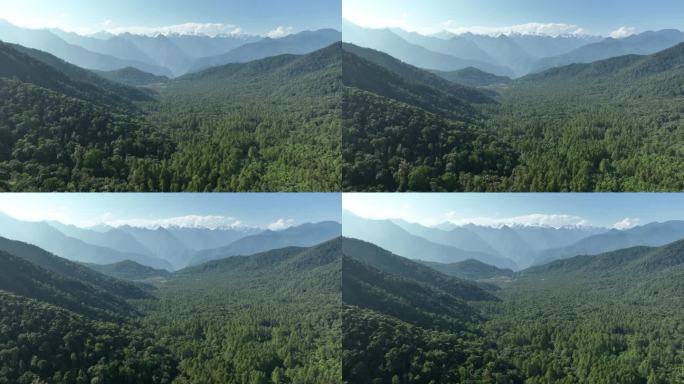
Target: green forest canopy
268, 125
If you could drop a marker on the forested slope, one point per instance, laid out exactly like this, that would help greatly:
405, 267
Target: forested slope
611, 125
266, 125
269, 318
274, 317
609, 318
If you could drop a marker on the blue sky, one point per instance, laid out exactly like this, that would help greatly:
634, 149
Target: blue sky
251, 209
593, 16
253, 16
594, 209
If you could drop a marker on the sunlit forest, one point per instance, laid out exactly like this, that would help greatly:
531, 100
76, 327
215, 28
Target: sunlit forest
268, 125
613, 125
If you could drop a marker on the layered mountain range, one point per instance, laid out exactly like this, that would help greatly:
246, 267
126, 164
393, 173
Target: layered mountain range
401, 316
162, 55
110, 322
505, 247
162, 248
512, 55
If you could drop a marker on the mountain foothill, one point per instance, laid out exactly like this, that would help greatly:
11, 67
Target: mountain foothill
75, 309
512, 112
390, 301
604, 309
169, 113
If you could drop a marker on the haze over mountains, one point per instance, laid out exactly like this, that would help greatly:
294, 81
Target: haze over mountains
162, 248
506, 247
168, 55
513, 55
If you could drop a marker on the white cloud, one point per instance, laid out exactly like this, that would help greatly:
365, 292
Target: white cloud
533, 220
191, 221
280, 224
280, 32
626, 223
548, 29
622, 32
208, 29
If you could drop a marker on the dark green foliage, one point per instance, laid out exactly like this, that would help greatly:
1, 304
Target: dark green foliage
387, 262
70, 270
41, 343
610, 318
51, 142
268, 125
404, 323
23, 278
268, 318
392, 146
44, 70
613, 125
405, 299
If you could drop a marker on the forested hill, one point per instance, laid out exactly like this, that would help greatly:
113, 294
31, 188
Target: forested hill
404, 322
406, 129
305, 235
265, 125
385, 261
130, 270
271, 315
601, 126
652, 234
623, 263
63, 323
376, 72
44, 70
471, 270
70, 270
24, 278
132, 76
473, 77
299, 43
244, 319
613, 318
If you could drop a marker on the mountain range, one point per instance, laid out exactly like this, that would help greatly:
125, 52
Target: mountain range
170, 249
120, 126
162, 55
404, 131
513, 55
400, 318
65, 315
506, 247
652, 234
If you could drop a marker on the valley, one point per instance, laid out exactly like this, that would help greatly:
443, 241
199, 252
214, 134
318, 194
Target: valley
605, 121
128, 302
245, 122
584, 319
512, 288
